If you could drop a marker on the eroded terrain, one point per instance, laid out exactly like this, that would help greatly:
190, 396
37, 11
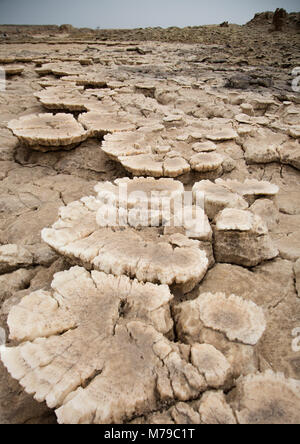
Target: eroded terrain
201, 323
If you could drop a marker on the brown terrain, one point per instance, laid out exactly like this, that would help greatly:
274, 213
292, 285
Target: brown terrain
156, 324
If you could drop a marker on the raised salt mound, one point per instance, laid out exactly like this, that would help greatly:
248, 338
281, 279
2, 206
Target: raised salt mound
204, 147
160, 152
250, 189
74, 98
48, 132
216, 197
222, 135
204, 162
146, 88
78, 337
267, 398
242, 238
294, 131
13, 70
59, 69
139, 105
290, 153
62, 98
263, 146
46, 69
99, 124
84, 234
7, 59
229, 323
92, 80
238, 319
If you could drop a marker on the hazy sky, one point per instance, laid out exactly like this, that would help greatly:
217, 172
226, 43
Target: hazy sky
135, 13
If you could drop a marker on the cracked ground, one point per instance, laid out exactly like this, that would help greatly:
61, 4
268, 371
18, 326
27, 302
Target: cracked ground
151, 80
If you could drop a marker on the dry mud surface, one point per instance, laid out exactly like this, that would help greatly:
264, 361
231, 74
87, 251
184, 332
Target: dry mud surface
107, 335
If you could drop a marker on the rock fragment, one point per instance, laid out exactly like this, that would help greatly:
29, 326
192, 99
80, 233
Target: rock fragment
263, 147
211, 363
214, 409
290, 153
242, 238
13, 257
216, 197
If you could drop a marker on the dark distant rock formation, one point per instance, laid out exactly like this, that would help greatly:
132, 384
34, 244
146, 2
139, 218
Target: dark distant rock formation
276, 21
279, 19
245, 81
66, 28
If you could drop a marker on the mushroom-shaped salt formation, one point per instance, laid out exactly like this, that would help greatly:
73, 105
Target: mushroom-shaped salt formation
216, 198
99, 236
204, 147
13, 70
61, 98
99, 124
46, 69
157, 151
242, 238
48, 132
140, 153
139, 105
229, 323
222, 135
245, 118
263, 146
267, 398
92, 81
250, 189
294, 131
66, 69
204, 162
238, 319
148, 89
7, 59
78, 337
174, 121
